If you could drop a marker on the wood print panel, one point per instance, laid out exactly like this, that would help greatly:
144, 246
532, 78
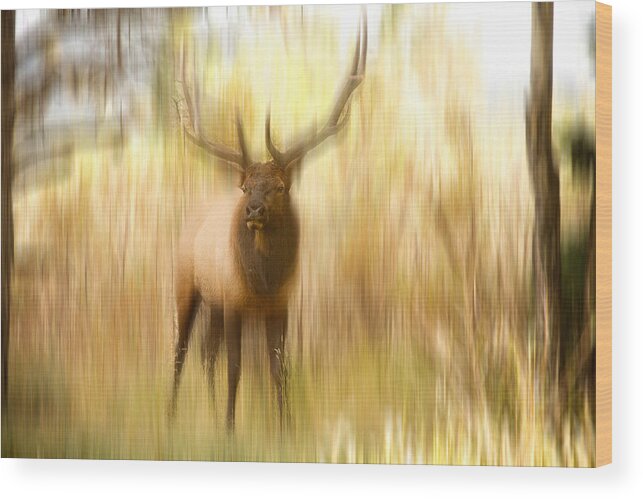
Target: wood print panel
308, 234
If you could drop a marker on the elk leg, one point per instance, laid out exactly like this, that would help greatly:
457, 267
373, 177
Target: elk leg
212, 344
276, 325
186, 307
232, 326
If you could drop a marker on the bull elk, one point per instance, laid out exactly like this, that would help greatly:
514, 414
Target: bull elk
240, 260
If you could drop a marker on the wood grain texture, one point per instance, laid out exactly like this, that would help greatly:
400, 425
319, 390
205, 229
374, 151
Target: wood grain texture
603, 234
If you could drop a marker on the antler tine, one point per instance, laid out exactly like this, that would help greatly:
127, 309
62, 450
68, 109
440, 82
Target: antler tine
358, 52
353, 80
242, 141
192, 129
342, 105
272, 149
362, 68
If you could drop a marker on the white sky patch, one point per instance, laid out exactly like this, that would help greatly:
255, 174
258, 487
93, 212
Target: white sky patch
502, 34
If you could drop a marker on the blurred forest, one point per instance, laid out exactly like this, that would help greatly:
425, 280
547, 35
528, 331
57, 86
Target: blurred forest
413, 333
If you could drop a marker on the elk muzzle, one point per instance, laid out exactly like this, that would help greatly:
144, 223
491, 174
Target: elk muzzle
256, 216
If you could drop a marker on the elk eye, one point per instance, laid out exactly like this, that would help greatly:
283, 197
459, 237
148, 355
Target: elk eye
244, 189
280, 189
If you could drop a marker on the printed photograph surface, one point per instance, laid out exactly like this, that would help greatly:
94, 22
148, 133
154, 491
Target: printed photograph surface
334, 234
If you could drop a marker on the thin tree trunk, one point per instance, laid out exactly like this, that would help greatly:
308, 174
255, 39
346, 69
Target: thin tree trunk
580, 369
586, 343
8, 113
545, 185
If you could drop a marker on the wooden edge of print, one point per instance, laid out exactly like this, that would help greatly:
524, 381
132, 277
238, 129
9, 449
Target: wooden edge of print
603, 234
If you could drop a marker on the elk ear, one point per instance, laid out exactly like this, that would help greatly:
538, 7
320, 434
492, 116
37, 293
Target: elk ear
241, 179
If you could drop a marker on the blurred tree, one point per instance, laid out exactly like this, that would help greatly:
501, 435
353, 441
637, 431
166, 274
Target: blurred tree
546, 189
69, 80
576, 141
583, 158
8, 115
77, 80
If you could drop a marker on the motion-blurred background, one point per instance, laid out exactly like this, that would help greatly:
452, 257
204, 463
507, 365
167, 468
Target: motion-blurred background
412, 335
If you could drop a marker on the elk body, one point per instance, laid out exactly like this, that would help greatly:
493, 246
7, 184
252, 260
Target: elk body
239, 259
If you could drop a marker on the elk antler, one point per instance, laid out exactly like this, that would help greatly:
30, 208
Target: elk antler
335, 121
192, 128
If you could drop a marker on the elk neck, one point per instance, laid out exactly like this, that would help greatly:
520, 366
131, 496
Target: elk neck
267, 257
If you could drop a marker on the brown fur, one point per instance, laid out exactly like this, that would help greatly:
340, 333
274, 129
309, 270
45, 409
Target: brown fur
237, 270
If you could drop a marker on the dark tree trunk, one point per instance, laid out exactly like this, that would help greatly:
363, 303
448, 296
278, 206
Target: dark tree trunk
581, 368
545, 186
8, 113
586, 347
